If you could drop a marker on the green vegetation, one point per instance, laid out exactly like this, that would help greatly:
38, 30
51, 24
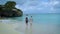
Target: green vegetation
9, 10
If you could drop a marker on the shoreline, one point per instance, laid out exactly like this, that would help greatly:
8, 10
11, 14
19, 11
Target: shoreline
7, 29
19, 28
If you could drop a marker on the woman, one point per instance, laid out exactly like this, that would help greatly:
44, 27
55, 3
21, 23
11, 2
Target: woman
31, 20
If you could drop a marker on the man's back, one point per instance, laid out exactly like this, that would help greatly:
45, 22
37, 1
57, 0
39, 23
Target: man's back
26, 19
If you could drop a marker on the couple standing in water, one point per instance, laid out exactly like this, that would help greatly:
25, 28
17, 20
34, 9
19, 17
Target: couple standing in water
28, 20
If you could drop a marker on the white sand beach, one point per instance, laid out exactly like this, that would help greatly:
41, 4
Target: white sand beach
7, 27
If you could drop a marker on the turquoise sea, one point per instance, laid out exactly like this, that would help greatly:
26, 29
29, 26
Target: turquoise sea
42, 23
41, 18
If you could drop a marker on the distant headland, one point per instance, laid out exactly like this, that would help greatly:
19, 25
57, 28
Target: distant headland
9, 10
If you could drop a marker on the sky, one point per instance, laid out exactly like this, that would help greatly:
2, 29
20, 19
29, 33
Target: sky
36, 6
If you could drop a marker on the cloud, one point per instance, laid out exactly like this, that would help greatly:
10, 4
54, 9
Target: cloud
38, 6
57, 7
3, 2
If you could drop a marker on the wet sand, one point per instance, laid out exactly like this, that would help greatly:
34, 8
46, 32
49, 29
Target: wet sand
36, 28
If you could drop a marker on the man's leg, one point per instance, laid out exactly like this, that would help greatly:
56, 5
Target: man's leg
26, 30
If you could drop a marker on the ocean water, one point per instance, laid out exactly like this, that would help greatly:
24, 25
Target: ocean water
42, 24
41, 18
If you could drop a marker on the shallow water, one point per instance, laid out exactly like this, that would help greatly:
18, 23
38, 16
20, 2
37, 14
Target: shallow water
42, 24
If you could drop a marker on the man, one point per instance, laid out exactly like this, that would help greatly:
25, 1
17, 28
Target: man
26, 19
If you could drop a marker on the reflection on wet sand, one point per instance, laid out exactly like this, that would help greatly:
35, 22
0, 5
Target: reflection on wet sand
28, 30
